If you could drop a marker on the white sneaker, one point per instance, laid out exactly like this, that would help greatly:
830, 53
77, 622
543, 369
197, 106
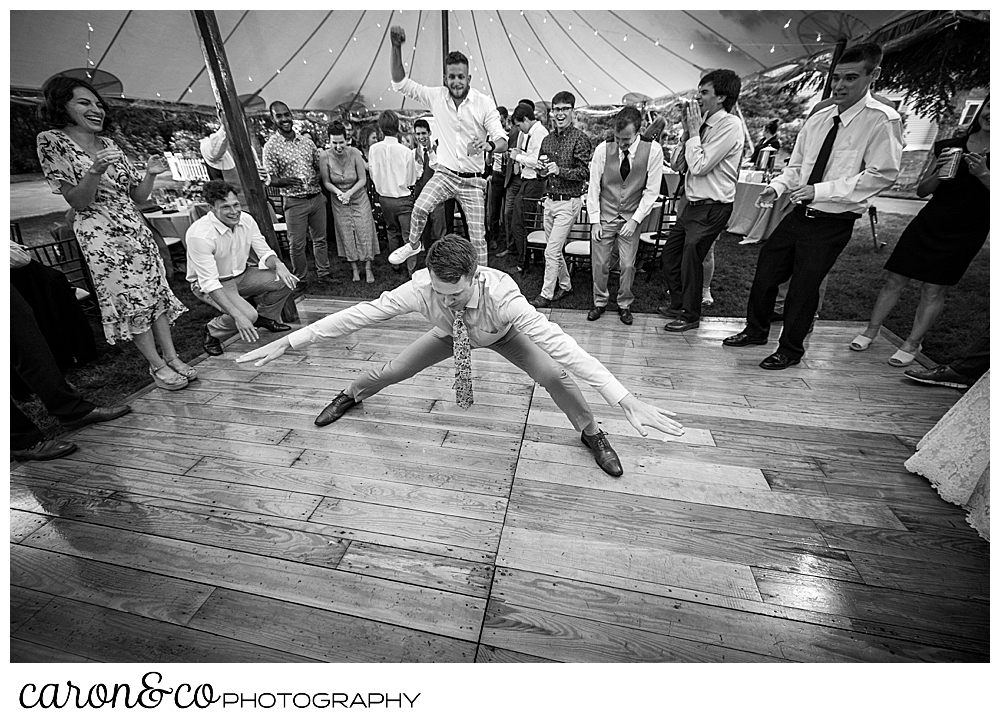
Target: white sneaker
401, 254
706, 297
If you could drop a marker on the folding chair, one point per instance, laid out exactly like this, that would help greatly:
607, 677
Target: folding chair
577, 248
65, 255
651, 243
533, 212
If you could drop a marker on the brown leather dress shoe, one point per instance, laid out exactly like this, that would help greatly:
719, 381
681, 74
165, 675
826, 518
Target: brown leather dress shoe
606, 457
625, 315
211, 345
335, 410
44, 451
99, 414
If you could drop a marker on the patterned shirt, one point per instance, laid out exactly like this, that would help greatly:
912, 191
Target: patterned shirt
295, 158
570, 150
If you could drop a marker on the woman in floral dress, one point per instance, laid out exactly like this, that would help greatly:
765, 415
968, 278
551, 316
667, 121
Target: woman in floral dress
99, 183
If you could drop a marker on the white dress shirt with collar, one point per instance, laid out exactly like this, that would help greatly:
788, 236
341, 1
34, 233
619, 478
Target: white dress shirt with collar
214, 251
497, 304
476, 118
712, 159
865, 160
531, 144
654, 173
393, 168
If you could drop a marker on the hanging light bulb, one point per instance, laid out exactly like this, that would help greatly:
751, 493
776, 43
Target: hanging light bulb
380, 25
571, 26
90, 27
305, 62
330, 49
730, 48
625, 39
788, 23
157, 95
819, 38
251, 79
772, 48
87, 46
190, 91
657, 43
544, 20
692, 47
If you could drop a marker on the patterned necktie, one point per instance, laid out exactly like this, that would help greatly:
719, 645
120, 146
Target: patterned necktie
462, 349
625, 167
824, 154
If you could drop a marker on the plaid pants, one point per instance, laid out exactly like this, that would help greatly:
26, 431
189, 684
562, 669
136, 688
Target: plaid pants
470, 192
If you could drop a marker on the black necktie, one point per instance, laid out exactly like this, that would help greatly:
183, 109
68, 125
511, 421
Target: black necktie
824, 154
625, 168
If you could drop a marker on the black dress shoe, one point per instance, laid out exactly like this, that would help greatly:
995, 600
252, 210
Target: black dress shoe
626, 316
540, 302
335, 410
607, 458
743, 339
681, 325
43, 451
778, 361
99, 414
270, 324
561, 293
668, 312
212, 346
596, 313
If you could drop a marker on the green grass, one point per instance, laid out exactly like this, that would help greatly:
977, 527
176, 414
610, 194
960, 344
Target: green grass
856, 279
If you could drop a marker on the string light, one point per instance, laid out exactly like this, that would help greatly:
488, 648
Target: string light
730, 48
625, 39
819, 38
692, 47
788, 23
772, 48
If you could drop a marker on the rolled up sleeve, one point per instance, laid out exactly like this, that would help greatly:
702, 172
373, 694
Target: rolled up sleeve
201, 260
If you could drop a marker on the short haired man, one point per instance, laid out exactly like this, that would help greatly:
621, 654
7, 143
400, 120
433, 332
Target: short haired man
526, 155
469, 127
512, 183
218, 156
568, 152
292, 160
709, 156
393, 169
844, 155
471, 305
496, 163
625, 176
426, 158
218, 249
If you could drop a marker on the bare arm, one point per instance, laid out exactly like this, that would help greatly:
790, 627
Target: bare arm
154, 167
397, 36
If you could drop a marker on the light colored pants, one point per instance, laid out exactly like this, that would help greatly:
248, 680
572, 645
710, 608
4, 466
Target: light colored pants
301, 215
600, 254
269, 293
559, 218
436, 346
470, 192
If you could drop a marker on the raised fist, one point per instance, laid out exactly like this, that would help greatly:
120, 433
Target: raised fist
397, 36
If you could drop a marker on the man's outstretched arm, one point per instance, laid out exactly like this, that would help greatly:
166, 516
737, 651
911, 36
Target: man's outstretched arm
397, 36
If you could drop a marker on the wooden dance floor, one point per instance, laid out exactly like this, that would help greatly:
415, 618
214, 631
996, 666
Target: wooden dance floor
219, 524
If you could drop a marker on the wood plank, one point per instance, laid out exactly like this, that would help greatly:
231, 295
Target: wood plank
234, 429
65, 469
943, 548
446, 529
352, 484
23, 524
921, 576
492, 654
561, 555
432, 611
418, 568
322, 634
110, 586
112, 636
24, 604
734, 629
22, 651
621, 428
163, 459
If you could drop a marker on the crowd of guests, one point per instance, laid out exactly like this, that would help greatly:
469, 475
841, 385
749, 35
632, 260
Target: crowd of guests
492, 164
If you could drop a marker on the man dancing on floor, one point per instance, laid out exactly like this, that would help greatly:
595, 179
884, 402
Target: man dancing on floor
471, 305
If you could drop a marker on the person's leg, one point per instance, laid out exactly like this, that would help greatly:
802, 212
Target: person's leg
929, 308
520, 351
519, 230
708, 271
600, 258
394, 236
627, 248
887, 299
224, 326
508, 213
559, 218
815, 254
471, 195
976, 360
317, 229
670, 259
437, 190
429, 349
706, 224
404, 212
774, 267
297, 221
266, 289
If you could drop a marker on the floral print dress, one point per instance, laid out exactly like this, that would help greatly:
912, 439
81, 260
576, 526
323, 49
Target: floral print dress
129, 277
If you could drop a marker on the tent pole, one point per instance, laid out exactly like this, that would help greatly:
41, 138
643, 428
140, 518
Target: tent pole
444, 41
838, 50
236, 131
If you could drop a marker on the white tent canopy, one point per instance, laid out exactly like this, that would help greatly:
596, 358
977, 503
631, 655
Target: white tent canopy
318, 59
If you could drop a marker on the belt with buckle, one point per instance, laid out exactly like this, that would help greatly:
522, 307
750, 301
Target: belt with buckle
461, 175
563, 196
810, 212
706, 202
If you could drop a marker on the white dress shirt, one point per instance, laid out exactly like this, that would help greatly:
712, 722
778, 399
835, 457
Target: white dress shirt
531, 149
654, 172
865, 160
712, 159
476, 118
497, 304
216, 153
214, 251
393, 167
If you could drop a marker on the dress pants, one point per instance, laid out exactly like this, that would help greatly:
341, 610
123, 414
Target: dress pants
494, 209
779, 302
262, 284
684, 251
559, 219
436, 346
302, 215
397, 212
470, 193
508, 212
530, 188
32, 360
804, 250
976, 360
601, 256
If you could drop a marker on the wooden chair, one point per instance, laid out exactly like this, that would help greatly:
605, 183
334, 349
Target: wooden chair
65, 255
577, 248
651, 243
534, 224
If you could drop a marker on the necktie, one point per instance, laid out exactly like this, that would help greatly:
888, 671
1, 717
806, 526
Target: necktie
824, 154
625, 168
462, 350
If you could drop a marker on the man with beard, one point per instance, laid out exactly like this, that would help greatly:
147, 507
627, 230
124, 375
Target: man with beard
468, 126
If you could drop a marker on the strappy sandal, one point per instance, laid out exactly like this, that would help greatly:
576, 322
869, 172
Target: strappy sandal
181, 368
904, 358
861, 342
172, 383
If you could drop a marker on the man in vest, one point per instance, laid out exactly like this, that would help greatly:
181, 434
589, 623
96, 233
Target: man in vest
425, 155
624, 181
